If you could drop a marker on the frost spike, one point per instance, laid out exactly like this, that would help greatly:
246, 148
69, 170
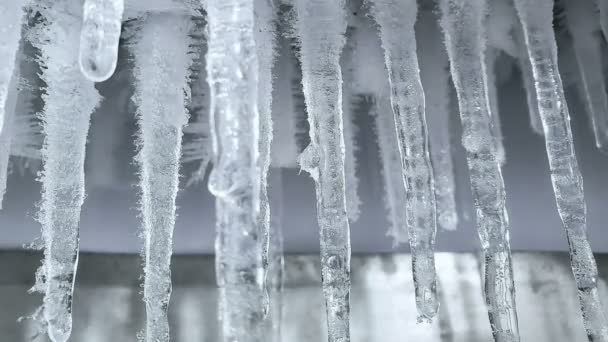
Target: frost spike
232, 70
462, 23
320, 27
69, 101
162, 64
536, 19
396, 20
99, 38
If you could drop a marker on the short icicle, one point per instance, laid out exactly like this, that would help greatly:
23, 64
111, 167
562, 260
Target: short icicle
99, 38
162, 70
462, 23
232, 69
70, 99
396, 20
536, 18
320, 27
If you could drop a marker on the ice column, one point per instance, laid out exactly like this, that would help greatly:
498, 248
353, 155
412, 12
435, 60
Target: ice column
232, 70
320, 27
99, 38
69, 101
396, 19
162, 71
465, 42
536, 18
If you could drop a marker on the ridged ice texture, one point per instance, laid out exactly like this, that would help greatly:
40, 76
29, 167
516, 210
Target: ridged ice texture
69, 101
6, 135
276, 263
435, 76
491, 55
265, 43
99, 38
585, 30
320, 27
396, 19
11, 18
465, 42
162, 70
536, 19
232, 69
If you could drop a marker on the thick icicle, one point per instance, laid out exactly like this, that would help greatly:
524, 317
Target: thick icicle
69, 101
232, 70
276, 263
588, 53
435, 76
396, 19
162, 70
265, 44
11, 18
99, 38
462, 22
320, 27
536, 18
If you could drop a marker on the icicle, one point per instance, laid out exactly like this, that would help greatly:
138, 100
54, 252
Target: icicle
490, 61
320, 27
435, 76
465, 42
588, 52
265, 43
396, 19
536, 18
11, 17
99, 38
275, 258
162, 67
69, 101
528, 81
232, 69
6, 134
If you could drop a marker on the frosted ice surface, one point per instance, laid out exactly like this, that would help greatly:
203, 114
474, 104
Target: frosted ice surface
162, 71
537, 21
462, 22
99, 38
320, 26
396, 19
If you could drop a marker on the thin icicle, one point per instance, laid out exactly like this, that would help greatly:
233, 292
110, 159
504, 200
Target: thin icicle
232, 70
490, 60
11, 18
276, 263
462, 23
396, 20
320, 27
536, 18
162, 68
99, 38
588, 53
528, 80
265, 43
69, 101
435, 76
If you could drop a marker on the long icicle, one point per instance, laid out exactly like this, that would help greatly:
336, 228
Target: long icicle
320, 27
396, 20
588, 53
162, 70
69, 101
232, 70
11, 19
536, 18
265, 43
462, 22
435, 76
99, 38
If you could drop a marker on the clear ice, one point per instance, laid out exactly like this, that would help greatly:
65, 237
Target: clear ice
491, 56
70, 99
320, 27
528, 81
536, 18
162, 71
11, 18
99, 38
462, 23
435, 76
396, 20
232, 70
